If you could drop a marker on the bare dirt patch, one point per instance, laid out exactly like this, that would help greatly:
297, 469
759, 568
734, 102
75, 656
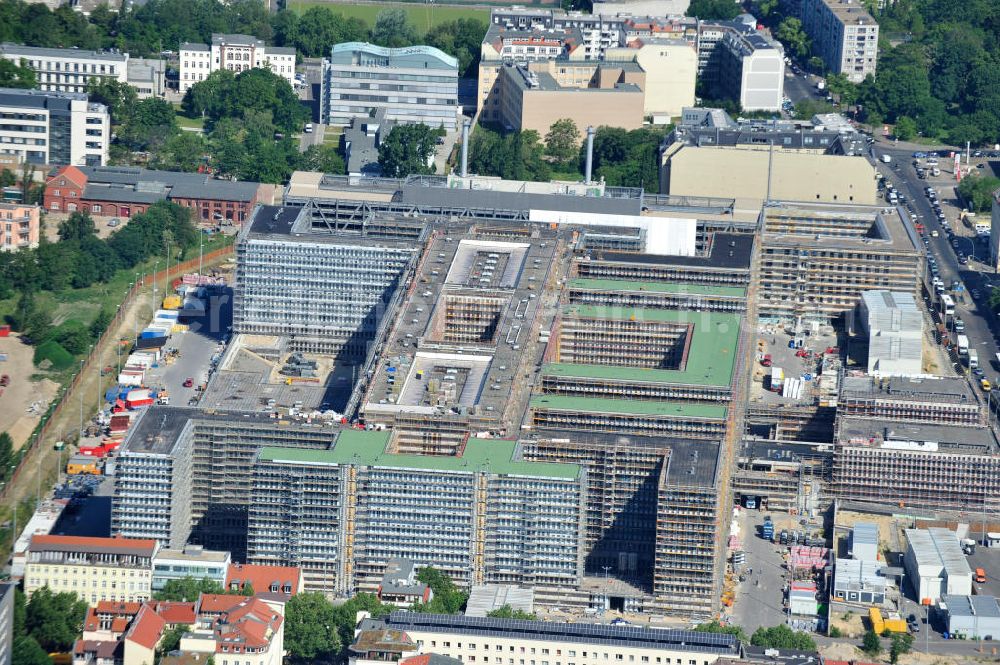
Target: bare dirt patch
24, 401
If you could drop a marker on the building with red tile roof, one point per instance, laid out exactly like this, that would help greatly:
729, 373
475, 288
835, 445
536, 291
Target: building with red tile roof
278, 580
128, 633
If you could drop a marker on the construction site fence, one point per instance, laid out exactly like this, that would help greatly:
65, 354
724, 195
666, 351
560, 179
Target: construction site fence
43, 436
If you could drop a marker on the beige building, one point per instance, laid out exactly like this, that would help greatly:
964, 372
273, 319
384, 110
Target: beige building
844, 35
483, 640
18, 226
671, 69
537, 94
94, 569
510, 45
741, 172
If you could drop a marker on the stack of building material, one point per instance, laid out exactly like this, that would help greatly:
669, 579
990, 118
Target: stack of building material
814, 558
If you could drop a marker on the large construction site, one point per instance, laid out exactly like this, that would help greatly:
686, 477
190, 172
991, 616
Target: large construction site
487, 325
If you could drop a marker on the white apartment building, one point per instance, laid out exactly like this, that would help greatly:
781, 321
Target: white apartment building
488, 640
235, 53
53, 127
844, 34
68, 69
752, 71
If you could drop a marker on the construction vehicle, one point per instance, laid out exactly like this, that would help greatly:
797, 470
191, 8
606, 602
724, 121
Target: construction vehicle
767, 530
766, 360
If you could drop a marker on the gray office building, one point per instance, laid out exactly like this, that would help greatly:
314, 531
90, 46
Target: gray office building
416, 84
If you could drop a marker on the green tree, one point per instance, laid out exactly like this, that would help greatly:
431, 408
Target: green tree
14, 75
710, 10
447, 599
715, 627
323, 158
839, 85
901, 643
119, 97
508, 612
54, 619
311, 628
318, 29
246, 589
171, 640
393, 29
77, 226
149, 125
906, 128
977, 192
995, 299
101, 322
791, 34
6, 454
782, 637
407, 150
188, 589
562, 143
27, 652
871, 644
184, 151
460, 38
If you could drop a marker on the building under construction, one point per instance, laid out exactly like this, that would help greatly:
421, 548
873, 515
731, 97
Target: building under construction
906, 464
944, 400
816, 260
326, 289
342, 514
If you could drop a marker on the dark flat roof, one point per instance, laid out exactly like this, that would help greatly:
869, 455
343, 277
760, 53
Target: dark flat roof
468, 198
728, 250
584, 633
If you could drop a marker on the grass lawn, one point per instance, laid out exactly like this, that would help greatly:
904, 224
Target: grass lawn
423, 16
185, 122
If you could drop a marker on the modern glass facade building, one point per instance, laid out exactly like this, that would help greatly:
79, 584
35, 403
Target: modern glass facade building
53, 127
416, 84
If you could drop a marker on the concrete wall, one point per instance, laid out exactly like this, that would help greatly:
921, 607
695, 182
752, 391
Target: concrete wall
671, 70
742, 173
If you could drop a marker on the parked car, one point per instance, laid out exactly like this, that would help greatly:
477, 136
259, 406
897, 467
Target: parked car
188, 382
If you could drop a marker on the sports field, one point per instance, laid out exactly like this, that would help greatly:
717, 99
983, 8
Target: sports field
422, 16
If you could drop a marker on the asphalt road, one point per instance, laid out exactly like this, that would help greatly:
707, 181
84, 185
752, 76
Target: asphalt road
979, 322
759, 600
798, 88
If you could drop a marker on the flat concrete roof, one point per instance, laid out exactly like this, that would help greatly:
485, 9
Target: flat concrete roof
657, 287
368, 448
629, 407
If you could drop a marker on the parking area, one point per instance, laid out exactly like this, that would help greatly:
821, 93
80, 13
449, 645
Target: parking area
989, 560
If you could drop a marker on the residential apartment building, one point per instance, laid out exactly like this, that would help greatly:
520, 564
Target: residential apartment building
92, 568
470, 639
236, 53
68, 69
19, 226
844, 36
229, 629
995, 231
415, 84
343, 514
53, 127
752, 71
192, 561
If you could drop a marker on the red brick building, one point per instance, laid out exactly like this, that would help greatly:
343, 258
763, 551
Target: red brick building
125, 191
